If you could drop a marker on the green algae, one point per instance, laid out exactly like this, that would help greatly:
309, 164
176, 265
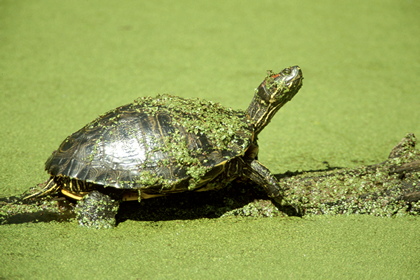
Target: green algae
258, 208
221, 125
58, 72
271, 83
340, 247
14, 210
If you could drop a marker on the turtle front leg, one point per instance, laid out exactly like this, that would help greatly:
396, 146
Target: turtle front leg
260, 175
97, 210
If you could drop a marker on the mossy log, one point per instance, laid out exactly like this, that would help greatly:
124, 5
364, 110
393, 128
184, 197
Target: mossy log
384, 189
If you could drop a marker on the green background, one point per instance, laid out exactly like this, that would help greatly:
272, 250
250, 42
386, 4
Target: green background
63, 63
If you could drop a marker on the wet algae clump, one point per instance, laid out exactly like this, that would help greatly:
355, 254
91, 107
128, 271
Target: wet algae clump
220, 124
97, 210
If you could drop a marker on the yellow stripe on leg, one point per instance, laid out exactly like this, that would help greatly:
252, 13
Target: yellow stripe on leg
78, 196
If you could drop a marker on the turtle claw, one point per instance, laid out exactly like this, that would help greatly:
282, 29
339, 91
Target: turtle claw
97, 210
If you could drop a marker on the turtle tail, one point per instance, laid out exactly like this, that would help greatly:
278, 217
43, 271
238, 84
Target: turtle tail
50, 187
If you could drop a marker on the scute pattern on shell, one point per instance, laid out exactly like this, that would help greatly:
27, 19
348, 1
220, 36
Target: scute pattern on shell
158, 143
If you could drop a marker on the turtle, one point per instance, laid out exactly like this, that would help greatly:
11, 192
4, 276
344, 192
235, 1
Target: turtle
162, 145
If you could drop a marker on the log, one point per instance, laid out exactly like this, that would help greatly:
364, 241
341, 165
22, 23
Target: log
384, 189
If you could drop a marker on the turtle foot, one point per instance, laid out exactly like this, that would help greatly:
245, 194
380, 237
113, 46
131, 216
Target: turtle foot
97, 210
285, 206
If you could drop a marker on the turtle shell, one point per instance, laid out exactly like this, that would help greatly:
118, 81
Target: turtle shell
161, 144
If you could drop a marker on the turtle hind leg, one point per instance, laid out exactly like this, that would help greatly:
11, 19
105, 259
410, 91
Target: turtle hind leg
260, 175
50, 187
97, 210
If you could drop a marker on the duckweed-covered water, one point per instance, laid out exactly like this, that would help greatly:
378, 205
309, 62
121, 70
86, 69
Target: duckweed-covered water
63, 64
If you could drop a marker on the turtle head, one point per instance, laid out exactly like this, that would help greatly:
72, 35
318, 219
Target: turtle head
275, 91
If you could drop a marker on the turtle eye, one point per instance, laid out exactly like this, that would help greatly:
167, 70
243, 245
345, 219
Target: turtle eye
287, 71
